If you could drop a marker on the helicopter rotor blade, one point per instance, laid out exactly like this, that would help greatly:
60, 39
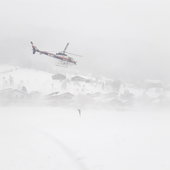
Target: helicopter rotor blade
74, 54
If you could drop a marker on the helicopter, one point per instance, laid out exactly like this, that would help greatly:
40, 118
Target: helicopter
61, 56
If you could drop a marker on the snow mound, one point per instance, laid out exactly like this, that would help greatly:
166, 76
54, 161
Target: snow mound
23, 84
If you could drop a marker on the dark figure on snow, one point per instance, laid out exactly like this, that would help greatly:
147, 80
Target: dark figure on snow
79, 112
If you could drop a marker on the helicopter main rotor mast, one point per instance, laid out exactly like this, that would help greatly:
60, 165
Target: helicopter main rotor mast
66, 48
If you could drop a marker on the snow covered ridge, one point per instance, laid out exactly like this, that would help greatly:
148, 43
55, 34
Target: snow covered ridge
21, 85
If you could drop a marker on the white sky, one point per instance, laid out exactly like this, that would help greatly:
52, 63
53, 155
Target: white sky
120, 38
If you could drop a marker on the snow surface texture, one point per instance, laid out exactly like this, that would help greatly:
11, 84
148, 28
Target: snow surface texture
37, 138
99, 127
33, 87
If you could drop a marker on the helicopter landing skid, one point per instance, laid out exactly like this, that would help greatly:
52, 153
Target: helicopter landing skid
62, 64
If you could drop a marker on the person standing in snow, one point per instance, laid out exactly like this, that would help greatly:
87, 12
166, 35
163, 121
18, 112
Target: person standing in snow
79, 112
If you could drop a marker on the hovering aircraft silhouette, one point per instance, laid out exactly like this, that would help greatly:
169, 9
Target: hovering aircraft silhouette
62, 56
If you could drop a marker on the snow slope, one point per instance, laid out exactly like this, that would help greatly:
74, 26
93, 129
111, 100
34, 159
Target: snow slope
54, 138
32, 86
96, 138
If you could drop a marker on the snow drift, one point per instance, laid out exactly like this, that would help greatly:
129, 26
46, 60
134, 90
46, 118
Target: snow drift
32, 87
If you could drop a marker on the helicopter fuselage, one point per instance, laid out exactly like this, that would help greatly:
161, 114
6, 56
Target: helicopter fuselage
61, 55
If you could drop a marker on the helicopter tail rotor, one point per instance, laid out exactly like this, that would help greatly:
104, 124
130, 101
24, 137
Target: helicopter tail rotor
34, 48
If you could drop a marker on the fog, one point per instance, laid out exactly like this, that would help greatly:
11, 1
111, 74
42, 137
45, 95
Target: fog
122, 39
110, 111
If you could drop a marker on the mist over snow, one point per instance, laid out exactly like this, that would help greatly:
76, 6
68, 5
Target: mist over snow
40, 138
71, 88
110, 111
125, 39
